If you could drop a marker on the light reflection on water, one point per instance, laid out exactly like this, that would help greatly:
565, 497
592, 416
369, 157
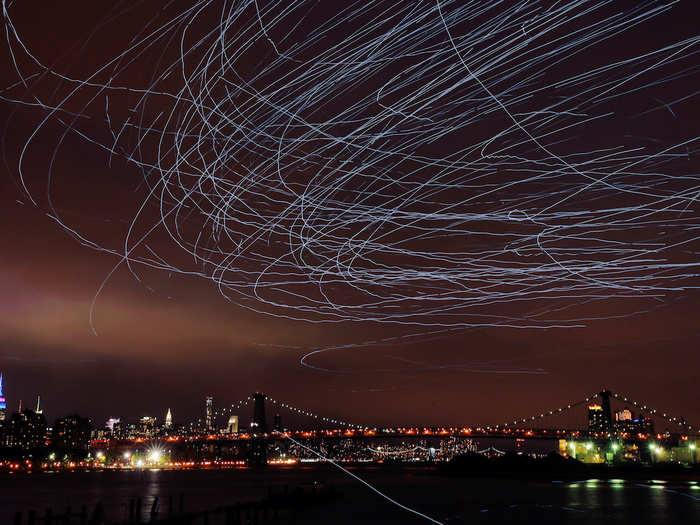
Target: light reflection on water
451, 500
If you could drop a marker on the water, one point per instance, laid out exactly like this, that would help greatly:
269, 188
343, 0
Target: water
448, 500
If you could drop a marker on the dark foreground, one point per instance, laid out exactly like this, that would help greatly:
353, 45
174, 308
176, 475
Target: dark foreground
447, 499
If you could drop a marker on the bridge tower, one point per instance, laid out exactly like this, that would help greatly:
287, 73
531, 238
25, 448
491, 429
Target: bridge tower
259, 425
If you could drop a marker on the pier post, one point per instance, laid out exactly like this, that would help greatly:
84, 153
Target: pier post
154, 509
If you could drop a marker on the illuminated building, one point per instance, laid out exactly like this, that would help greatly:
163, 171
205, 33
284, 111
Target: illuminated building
644, 425
259, 424
111, 422
607, 415
209, 413
596, 419
147, 426
232, 427
623, 415
3, 404
168, 419
624, 421
38, 405
25, 430
71, 434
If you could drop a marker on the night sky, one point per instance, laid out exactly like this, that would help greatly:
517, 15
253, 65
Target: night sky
101, 341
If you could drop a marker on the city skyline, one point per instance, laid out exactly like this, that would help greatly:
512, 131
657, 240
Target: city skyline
626, 416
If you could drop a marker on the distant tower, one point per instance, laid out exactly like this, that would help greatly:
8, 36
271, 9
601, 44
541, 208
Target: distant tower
232, 427
607, 414
277, 425
209, 413
259, 422
38, 405
3, 404
168, 419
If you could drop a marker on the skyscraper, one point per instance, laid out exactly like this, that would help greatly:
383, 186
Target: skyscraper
259, 425
232, 427
596, 420
607, 414
71, 435
3, 404
209, 413
168, 419
38, 405
26, 430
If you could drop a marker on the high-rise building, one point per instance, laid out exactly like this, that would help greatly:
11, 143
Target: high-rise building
168, 419
596, 419
607, 414
38, 405
232, 427
26, 430
71, 434
3, 404
259, 424
209, 413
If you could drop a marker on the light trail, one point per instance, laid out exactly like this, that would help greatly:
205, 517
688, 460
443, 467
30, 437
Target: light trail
436, 165
368, 485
